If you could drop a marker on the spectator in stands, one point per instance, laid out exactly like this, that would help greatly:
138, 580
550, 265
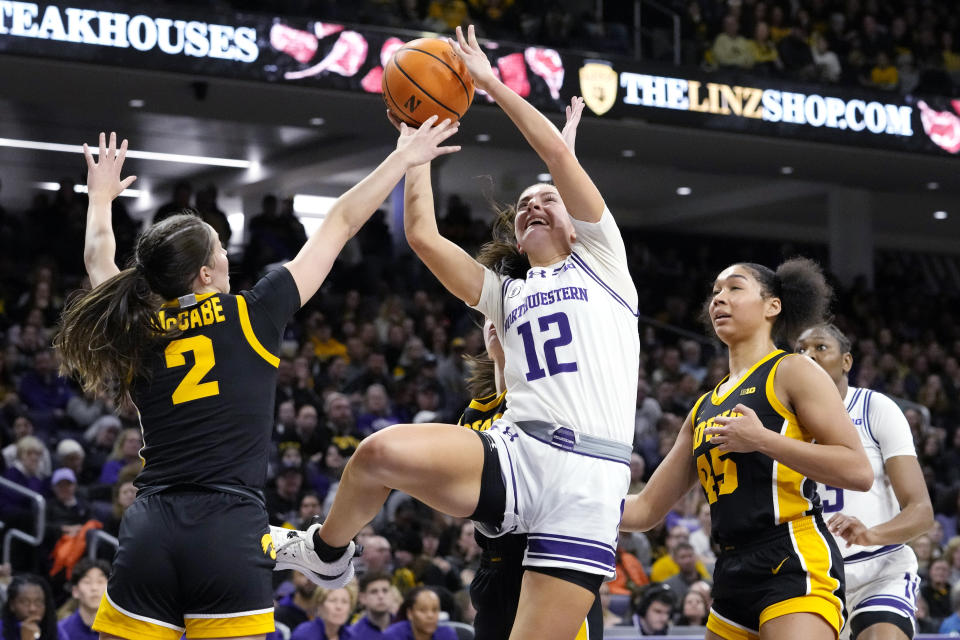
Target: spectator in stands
22, 427
296, 607
610, 619
275, 235
419, 617
730, 49
951, 625
325, 346
694, 610
686, 559
763, 50
375, 600
796, 56
26, 472
935, 589
630, 574
206, 205
331, 609
45, 392
126, 451
182, 191
70, 454
826, 62
29, 611
88, 584
377, 413
312, 437
123, 494
283, 499
884, 74
66, 513
700, 538
653, 609
101, 438
666, 566
952, 555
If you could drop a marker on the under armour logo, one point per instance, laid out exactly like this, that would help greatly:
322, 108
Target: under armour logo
539, 272
510, 433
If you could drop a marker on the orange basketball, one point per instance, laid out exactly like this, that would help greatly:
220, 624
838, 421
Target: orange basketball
424, 78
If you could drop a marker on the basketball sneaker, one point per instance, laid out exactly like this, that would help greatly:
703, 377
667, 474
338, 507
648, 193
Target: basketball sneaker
295, 551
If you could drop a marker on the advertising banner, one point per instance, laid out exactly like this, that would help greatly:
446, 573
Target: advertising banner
336, 56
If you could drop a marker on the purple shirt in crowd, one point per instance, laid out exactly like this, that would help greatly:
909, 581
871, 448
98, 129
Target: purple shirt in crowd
363, 629
74, 628
403, 631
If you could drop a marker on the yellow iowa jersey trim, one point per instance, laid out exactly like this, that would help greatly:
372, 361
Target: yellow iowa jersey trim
728, 629
251, 623
249, 335
487, 402
772, 398
719, 399
176, 303
817, 560
117, 621
788, 483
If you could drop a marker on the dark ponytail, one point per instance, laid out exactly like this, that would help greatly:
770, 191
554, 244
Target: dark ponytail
501, 255
106, 333
804, 295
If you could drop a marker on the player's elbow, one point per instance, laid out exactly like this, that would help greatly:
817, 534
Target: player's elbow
861, 477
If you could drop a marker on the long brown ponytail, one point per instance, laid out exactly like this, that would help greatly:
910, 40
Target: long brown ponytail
106, 333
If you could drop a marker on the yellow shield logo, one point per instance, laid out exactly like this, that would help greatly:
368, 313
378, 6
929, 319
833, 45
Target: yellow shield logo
598, 85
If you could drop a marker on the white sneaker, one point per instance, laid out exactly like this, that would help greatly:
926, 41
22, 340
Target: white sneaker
295, 551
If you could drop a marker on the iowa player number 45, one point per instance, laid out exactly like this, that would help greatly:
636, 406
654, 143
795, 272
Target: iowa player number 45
191, 387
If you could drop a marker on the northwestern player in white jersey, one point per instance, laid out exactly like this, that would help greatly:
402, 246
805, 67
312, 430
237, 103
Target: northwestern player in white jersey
556, 466
871, 527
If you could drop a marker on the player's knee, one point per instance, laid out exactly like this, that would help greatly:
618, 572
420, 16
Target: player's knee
378, 455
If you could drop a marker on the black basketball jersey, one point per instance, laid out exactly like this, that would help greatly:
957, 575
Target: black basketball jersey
482, 412
750, 492
206, 407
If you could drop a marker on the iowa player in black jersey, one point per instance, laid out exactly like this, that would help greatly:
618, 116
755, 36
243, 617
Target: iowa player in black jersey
758, 443
200, 364
495, 590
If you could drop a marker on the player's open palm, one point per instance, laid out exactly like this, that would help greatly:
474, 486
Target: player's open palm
103, 176
423, 144
467, 47
739, 433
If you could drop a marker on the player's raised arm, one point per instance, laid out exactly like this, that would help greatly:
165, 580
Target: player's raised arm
351, 210
454, 268
103, 185
581, 196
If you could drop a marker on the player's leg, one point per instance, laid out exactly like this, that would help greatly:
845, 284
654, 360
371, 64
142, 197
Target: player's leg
437, 464
550, 607
809, 626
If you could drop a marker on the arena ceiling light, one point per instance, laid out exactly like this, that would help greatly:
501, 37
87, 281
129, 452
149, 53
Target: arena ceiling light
82, 188
132, 153
684, 191
940, 215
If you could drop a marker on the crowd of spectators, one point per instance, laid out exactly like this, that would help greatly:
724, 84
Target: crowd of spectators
383, 344
889, 45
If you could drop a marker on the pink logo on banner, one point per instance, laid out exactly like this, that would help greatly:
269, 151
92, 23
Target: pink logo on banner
513, 73
372, 82
345, 58
942, 127
300, 45
547, 64
324, 29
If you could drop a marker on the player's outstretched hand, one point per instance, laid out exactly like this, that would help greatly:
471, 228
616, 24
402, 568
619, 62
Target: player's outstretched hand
423, 144
473, 57
850, 529
103, 176
739, 433
574, 111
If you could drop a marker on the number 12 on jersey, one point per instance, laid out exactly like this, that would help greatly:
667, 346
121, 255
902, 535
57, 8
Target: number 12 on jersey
534, 370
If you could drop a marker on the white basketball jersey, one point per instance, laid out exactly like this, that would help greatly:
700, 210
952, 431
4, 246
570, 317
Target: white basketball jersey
569, 332
884, 433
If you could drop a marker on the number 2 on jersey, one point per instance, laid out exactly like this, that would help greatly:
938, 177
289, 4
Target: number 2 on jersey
554, 366
190, 388
718, 475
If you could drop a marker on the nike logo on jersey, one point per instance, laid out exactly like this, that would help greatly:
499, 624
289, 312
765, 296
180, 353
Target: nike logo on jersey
777, 570
748, 391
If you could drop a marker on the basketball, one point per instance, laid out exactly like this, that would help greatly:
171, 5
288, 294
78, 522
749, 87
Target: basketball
426, 77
